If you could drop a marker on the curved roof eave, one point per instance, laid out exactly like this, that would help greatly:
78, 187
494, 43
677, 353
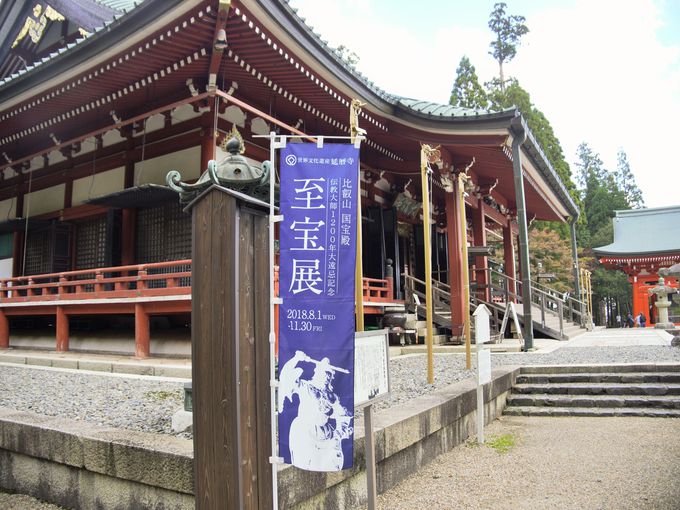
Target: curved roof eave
405, 108
108, 36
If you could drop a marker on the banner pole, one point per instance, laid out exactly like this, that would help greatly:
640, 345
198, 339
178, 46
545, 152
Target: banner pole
356, 135
428, 262
359, 269
466, 272
274, 460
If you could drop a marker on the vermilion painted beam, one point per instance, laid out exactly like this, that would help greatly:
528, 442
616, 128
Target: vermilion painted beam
103, 130
62, 330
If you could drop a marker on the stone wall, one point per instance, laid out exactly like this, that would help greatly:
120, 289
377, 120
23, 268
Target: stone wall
78, 465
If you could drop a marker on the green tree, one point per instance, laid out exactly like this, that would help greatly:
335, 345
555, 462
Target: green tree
508, 29
538, 123
600, 195
626, 181
554, 255
467, 92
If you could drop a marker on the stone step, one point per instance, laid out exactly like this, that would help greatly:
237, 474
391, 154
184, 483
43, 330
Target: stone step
601, 369
592, 411
547, 400
588, 388
630, 377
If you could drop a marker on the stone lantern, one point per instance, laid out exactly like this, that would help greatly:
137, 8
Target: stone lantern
662, 303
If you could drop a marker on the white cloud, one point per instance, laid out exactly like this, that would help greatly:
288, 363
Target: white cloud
596, 69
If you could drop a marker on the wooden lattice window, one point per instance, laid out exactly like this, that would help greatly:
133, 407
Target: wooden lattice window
48, 249
91, 243
163, 234
38, 259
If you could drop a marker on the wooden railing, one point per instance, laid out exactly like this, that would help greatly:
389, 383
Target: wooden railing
549, 301
377, 290
157, 279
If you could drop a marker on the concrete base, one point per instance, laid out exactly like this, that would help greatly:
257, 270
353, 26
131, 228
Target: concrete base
182, 421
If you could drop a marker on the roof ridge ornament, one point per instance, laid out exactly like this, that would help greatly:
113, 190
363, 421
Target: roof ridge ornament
354, 111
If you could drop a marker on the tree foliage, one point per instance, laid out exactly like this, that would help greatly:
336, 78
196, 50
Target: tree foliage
508, 29
626, 181
597, 191
467, 91
603, 192
554, 255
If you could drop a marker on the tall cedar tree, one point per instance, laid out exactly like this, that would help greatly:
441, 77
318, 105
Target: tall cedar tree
602, 195
508, 29
515, 95
467, 92
626, 181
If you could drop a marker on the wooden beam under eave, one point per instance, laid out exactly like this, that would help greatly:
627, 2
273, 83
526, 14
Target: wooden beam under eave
216, 54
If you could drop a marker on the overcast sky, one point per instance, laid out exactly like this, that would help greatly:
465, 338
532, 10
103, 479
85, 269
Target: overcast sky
606, 72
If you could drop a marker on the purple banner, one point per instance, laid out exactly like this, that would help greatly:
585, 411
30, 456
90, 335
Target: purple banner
316, 319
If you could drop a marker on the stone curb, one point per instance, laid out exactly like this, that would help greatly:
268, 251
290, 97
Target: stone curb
120, 367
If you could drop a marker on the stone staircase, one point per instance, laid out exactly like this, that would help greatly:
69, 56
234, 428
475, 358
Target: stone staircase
606, 390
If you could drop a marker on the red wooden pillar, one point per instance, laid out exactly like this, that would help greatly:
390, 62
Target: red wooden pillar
454, 239
127, 252
62, 330
4, 330
481, 263
509, 259
208, 138
142, 336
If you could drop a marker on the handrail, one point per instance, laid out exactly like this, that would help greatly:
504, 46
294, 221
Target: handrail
95, 283
136, 280
134, 267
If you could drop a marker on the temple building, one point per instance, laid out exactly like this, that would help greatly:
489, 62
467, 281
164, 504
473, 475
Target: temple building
100, 99
645, 241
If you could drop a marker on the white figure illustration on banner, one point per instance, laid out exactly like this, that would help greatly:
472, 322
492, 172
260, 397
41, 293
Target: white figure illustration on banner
316, 433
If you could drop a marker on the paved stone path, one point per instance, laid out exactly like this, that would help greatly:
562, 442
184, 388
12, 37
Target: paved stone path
556, 463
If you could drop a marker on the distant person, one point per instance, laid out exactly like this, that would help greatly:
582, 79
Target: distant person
618, 320
629, 320
637, 320
643, 320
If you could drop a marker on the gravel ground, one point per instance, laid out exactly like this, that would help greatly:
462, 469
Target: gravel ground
556, 463
21, 502
147, 404
112, 401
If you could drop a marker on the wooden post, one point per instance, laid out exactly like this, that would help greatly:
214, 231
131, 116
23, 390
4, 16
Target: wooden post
4, 330
427, 229
458, 305
62, 330
142, 332
230, 352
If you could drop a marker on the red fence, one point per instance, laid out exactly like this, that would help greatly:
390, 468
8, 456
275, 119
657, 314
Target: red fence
158, 279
